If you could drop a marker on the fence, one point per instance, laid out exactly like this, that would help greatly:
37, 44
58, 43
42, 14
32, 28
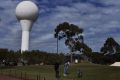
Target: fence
26, 76
21, 75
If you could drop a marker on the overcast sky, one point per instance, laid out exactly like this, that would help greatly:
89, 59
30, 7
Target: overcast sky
100, 19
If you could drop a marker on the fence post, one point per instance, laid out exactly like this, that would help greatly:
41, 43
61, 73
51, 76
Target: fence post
39, 77
21, 76
44, 78
25, 75
15, 73
9, 73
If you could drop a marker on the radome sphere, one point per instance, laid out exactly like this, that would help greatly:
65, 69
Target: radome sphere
27, 10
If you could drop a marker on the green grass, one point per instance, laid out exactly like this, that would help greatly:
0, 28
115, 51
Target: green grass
90, 71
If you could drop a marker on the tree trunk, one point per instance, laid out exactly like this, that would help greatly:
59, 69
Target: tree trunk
71, 57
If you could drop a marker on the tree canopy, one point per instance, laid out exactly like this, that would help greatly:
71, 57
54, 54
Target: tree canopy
110, 47
72, 35
67, 30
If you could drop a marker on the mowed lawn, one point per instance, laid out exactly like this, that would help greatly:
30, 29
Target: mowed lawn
90, 71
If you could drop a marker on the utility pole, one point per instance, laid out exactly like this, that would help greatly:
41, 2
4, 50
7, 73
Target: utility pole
57, 44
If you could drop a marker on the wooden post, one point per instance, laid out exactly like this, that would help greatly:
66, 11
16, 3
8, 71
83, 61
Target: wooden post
39, 77
15, 73
9, 72
44, 78
25, 75
21, 76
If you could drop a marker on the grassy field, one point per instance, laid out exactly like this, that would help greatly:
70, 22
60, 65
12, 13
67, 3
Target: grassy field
90, 71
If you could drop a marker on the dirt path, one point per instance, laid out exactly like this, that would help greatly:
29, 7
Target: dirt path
7, 78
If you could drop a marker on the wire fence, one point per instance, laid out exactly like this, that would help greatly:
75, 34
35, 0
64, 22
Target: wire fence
28, 76
21, 75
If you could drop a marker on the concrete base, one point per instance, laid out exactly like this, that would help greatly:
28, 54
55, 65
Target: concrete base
115, 64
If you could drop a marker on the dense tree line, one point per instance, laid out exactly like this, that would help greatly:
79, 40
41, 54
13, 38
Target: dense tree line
110, 53
35, 57
31, 57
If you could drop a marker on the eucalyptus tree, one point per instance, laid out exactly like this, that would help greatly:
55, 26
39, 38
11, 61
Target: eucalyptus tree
110, 47
72, 34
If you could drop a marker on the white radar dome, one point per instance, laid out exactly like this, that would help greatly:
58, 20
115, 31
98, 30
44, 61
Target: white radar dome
27, 10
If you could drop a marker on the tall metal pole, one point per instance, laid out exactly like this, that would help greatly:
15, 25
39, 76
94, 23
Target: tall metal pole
57, 44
